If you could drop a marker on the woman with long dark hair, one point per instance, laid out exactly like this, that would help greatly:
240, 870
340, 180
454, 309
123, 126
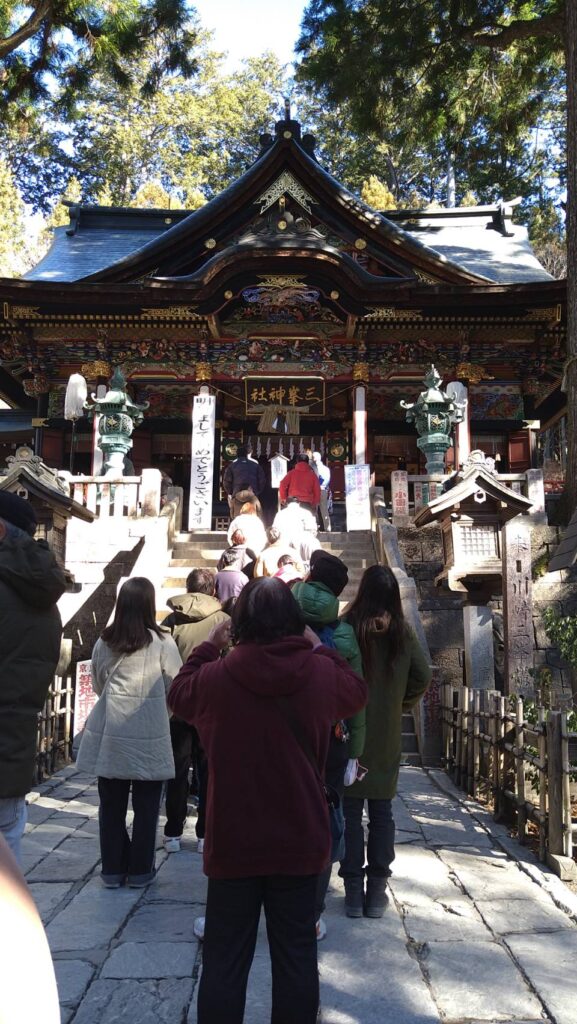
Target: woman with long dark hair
398, 674
126, 740
263, 714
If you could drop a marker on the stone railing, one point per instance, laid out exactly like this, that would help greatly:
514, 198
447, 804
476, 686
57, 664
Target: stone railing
111, 497
409, 494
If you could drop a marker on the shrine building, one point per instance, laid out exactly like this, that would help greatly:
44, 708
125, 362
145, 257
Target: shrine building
307, 314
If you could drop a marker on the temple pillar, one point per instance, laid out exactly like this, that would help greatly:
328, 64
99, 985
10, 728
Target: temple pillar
360, 425
459, 393
41, 417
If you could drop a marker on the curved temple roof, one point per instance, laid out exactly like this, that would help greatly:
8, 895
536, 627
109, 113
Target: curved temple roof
464, 246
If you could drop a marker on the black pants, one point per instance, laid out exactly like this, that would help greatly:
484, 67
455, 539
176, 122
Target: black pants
380, 843
186, 750
121, 855
232, 916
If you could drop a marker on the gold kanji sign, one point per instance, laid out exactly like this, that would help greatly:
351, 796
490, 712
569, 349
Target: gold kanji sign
294, 392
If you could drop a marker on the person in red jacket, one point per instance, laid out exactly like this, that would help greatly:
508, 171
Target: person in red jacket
263, 714
301, 484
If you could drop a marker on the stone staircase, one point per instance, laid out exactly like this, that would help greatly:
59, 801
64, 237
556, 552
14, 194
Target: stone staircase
204, 549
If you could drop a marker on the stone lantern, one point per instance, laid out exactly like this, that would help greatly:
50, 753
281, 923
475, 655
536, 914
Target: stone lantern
434, 414
473, 512
119, 415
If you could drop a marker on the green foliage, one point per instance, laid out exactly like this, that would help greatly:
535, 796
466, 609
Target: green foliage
56, 46
12, 231
191, 139
561, 630
151, 195
436, 86
377, 195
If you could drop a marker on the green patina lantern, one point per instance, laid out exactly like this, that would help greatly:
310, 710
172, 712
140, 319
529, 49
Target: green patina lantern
119, 415
434, 414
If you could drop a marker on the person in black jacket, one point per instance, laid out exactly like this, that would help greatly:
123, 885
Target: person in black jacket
241, 479
31, 583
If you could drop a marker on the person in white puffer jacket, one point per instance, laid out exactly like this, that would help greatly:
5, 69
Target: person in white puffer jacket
126, 740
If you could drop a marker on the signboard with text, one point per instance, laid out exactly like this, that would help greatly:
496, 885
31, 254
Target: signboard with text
295, 392
84, 696
357, 500
202, 462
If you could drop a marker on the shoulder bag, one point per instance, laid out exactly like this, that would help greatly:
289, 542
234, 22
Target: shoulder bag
336, 816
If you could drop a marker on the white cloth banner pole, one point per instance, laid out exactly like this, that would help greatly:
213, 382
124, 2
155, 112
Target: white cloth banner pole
202, 462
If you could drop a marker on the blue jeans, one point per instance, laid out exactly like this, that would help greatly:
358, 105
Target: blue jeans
381, 841
13, 822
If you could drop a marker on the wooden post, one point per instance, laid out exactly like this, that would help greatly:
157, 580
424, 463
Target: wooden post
520, 772
542, 748
555, 782
476, 742
494, 733
566, 788
459, 736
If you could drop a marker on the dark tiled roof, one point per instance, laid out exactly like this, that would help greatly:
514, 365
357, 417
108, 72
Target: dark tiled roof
72, 257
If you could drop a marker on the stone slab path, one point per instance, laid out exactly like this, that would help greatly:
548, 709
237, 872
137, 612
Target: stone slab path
476, 932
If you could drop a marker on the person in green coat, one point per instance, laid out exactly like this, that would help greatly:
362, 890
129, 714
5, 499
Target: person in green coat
317, 597
398, 674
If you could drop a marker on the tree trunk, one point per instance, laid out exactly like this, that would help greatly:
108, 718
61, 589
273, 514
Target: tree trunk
571, 369
451, 184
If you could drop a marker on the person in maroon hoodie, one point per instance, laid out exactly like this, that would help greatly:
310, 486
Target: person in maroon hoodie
267, 826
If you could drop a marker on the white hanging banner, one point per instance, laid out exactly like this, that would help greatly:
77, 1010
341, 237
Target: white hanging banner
202, 462
357, 499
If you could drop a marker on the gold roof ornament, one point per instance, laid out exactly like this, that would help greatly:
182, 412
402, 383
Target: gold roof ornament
472, 372
361, 372
203, 371
285, 183
96, 368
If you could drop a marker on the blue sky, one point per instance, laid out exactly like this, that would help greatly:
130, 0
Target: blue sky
245, 28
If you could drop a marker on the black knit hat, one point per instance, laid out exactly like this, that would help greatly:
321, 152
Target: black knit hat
17, 511
330, 570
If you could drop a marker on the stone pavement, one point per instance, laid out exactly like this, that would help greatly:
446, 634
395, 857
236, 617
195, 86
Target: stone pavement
472, 934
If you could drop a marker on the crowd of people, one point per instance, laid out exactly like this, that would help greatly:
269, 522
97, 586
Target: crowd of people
282, 714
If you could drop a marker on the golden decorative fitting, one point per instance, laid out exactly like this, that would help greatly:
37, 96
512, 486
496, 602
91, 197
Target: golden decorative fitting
228, 294
169, 313
286, 281
390, 313
168, 220
361, 372
287, 135
37, 385
210, 243
282, 225
21, 312
360, 243
203, 371
334, 295
472, 372
285, 183
97, 368
552, 314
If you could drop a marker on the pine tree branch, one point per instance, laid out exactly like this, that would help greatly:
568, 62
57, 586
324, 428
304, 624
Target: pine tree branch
551, 25
41, 11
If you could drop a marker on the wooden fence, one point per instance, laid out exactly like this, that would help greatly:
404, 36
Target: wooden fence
55, 720
522, 769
